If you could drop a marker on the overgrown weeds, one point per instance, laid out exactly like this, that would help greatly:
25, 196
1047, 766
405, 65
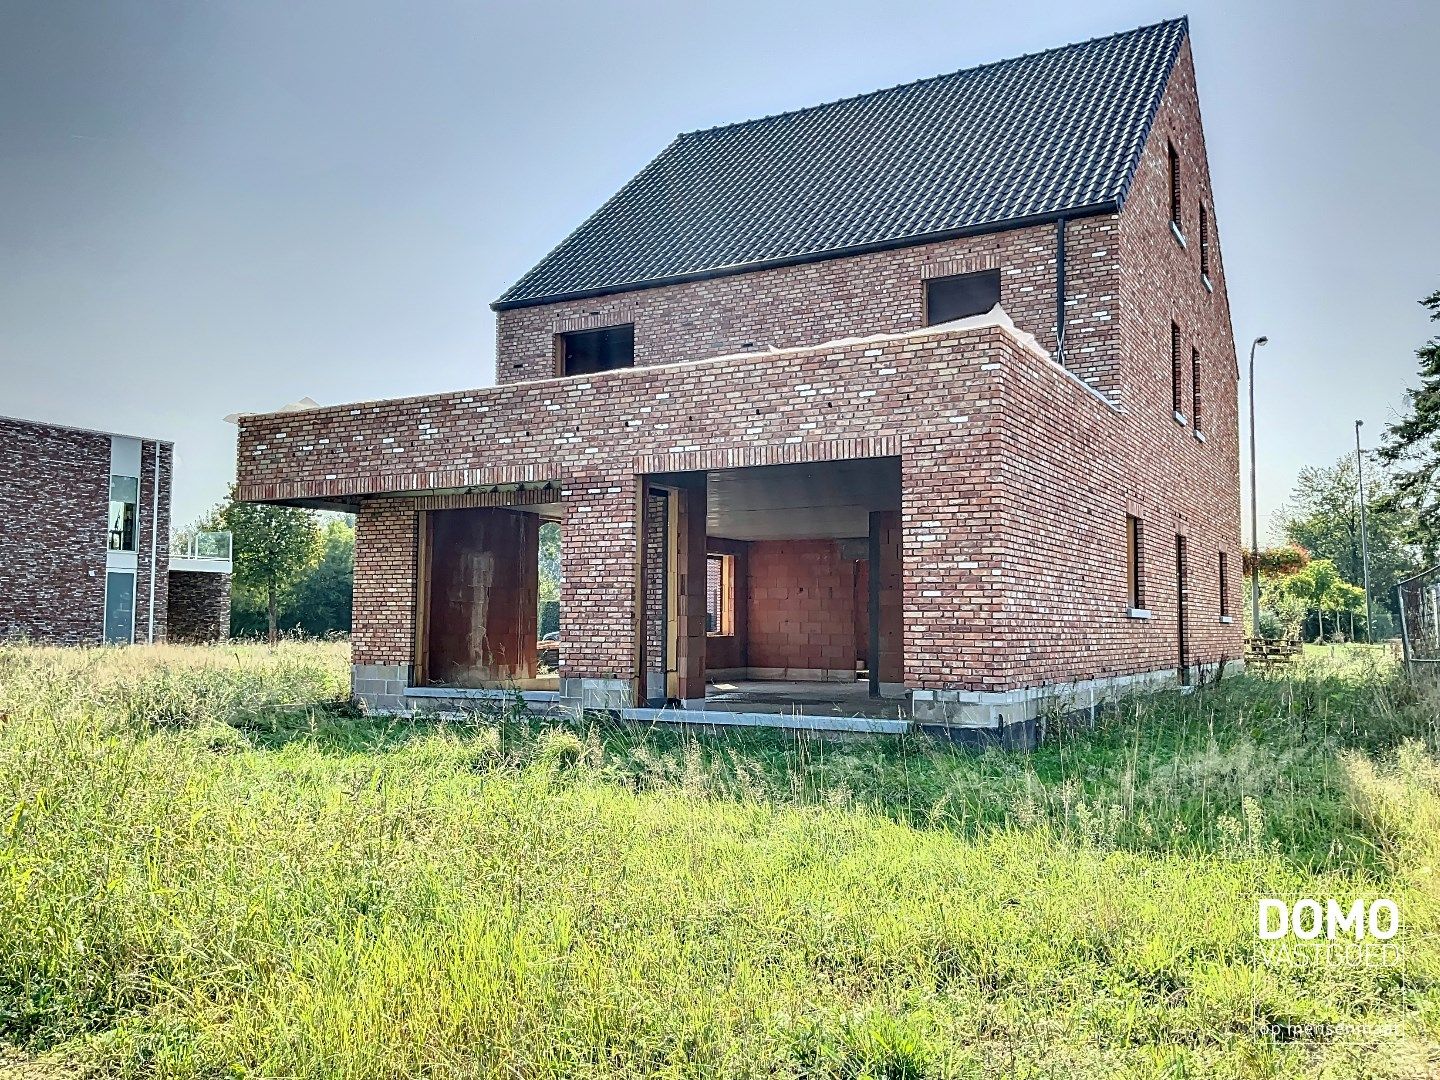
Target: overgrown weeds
208, 867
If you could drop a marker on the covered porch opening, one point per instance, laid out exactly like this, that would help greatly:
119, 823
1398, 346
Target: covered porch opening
487, 598
775, 589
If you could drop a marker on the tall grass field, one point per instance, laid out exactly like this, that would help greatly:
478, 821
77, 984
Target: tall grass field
210, 866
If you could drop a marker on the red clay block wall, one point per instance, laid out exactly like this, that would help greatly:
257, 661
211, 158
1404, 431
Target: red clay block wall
801, 606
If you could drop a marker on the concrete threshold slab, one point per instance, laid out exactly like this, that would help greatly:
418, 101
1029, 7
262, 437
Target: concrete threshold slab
459, 693
789, 721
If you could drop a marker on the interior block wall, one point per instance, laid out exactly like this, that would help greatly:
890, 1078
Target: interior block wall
801, 606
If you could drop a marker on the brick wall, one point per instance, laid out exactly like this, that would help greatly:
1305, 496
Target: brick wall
198, 606
801, 605
383, 620
1017, 471
54, 506
878, 293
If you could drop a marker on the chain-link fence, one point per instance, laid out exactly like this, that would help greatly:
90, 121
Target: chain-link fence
1420, 621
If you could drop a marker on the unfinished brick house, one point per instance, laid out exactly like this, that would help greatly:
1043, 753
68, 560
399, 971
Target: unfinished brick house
85, 556
913, 408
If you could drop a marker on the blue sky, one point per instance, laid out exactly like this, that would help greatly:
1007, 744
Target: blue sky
225, 206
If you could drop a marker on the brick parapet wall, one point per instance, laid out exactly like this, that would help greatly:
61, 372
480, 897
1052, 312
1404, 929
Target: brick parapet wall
955, 405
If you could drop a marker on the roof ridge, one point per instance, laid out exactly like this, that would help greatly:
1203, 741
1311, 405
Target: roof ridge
1182, 20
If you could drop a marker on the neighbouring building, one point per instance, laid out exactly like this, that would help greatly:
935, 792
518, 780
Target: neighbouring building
85, 541
916, 408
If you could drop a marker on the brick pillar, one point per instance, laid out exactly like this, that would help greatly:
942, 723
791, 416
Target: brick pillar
382, 641
887, 611
599, 542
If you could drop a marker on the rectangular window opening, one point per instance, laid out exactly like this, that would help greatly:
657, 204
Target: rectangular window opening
124, 496
1204, 242
720, 595
585, 352
1224, 587
1195, 389
961, 296
1177, 376
1134, 537
1174, 187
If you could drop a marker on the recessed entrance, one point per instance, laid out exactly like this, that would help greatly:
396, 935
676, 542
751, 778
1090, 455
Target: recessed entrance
775, 589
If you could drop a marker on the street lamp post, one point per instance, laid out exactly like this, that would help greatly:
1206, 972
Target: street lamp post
1364, 535
1254, 504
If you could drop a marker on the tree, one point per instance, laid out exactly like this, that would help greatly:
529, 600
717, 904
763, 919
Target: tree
273, 547
1317, 589
1411, 446
320, 601
1322, 515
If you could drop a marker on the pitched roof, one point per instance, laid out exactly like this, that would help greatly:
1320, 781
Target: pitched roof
1030, 138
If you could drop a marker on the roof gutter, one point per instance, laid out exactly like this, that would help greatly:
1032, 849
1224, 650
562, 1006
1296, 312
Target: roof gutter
1108, 206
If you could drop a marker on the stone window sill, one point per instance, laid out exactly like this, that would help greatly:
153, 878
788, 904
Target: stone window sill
1179, 236
1226, 619
1199, 436
1180, 417
1138, 613
1205, 280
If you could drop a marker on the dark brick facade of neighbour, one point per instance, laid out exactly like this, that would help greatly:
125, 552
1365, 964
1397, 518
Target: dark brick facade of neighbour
1020, 457
199, 608
54, 505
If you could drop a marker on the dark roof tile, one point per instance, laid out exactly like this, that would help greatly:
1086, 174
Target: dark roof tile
1026, 138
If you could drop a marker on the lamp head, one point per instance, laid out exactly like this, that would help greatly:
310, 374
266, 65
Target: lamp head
1262, 340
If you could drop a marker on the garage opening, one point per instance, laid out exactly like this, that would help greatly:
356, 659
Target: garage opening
788, 599
488, 596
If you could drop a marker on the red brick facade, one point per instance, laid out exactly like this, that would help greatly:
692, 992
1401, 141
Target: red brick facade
54, 506
1018, 469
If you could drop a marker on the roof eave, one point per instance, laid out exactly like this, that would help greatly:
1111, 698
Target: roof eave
1107, 206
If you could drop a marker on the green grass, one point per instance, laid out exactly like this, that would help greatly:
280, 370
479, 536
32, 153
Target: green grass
210, 867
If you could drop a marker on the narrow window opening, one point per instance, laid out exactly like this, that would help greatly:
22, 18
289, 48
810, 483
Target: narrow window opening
124, 496
586, 352
1204, 242
720, 595
961, 296
1174, 187
1195, 389
1177, 376
1134, 535
1224, 587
